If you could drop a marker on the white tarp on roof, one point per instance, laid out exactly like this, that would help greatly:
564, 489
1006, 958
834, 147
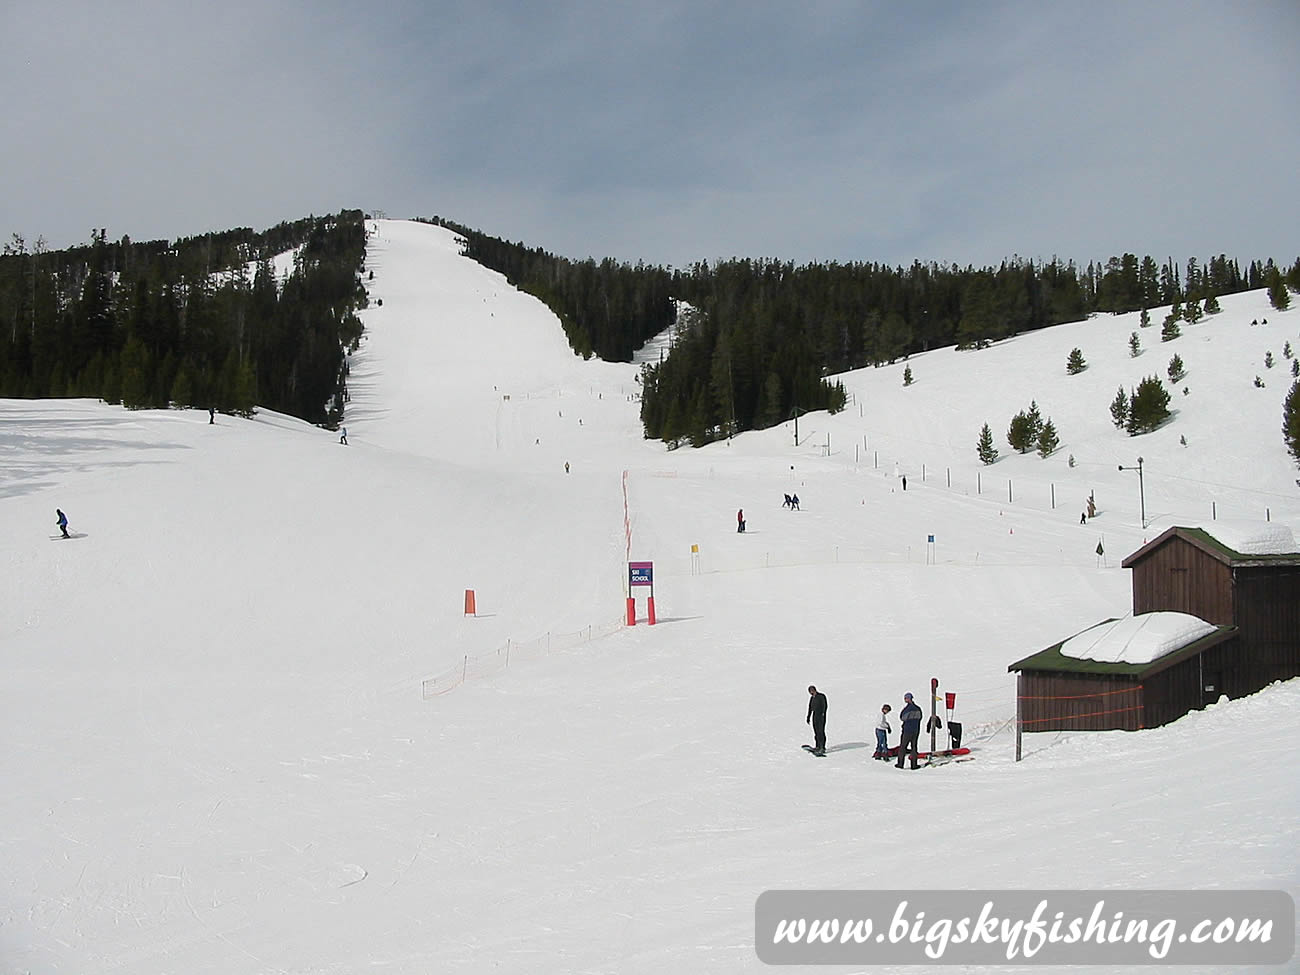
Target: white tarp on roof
1252, 537
1136, 639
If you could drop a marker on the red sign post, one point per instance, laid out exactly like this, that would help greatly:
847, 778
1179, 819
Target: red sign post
640, 574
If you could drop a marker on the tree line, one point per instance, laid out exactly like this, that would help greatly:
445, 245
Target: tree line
199, 322
754, 340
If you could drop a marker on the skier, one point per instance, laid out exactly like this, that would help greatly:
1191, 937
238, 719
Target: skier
343, 439
794, 502
882, 734
817, 718
62, 523
740, 520
910, 731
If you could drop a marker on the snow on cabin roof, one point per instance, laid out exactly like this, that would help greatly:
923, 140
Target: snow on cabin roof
1137, 639
1251, 537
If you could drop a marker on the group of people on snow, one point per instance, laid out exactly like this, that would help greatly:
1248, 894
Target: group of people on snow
910, 728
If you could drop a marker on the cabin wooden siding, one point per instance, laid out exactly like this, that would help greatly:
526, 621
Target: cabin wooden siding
1062, 701
1179, 577
1268, 619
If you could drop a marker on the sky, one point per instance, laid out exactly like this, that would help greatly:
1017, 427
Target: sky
668, 132
254, 729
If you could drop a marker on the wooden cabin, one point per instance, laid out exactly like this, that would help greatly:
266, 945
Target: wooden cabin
1252, 602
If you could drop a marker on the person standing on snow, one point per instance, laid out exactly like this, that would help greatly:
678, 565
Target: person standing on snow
343, 438
740, 520
817, 718
62, 523
910, 716
882, 734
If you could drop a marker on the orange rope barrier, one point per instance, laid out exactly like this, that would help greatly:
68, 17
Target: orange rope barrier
1072, 717
1076, 697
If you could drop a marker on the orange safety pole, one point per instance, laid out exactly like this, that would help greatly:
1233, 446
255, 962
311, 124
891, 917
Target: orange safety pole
631, 611
651, 603
469, 603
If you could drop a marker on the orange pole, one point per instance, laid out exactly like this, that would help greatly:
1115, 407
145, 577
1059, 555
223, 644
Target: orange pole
469, 603
631, 611
651, 603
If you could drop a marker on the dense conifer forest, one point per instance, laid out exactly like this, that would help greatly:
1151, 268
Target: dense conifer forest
203, 321
200, 322
755, 339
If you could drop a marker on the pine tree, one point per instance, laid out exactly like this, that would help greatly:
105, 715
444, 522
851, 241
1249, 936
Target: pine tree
1295, 367
1286, 350
907, 375
1176, 370
1035, 420
1148, 407
1020, 434
1212, 305
984, 448
1291, 421
1278, 295
1192, 313
1048, 439
1119, 409
1268, 359
1134, 346
1144, 319
1075, 364
1170, 330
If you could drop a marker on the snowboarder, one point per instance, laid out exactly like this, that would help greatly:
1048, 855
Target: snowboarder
1083, 517
817, 718
910, 717
62, 523
343, 438
882, 734
740, 520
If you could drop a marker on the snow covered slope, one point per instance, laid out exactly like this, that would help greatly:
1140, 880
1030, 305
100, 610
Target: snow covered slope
218, 757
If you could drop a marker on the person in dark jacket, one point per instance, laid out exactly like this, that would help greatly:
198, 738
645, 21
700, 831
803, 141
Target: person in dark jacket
740, 520
817, 718
62, 523
910, 717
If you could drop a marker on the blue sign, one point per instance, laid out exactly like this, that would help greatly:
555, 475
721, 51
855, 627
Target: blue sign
640, 573
930, 539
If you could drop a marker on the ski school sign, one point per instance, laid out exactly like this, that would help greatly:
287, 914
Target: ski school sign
640, 574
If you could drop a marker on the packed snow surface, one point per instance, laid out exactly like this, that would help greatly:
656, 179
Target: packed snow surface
223, 753
1136, 639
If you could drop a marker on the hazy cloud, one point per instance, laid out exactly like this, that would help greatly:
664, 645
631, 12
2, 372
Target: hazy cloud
670, 131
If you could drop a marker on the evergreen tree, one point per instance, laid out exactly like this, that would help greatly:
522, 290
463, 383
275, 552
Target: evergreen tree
1144, 319
1134, 346
1192, 312
1075, 364
1295, 367
1119, 409
1278, 295
1212, 305
1268, 360
907, 375
1020, 434
1048, 439
1170, 330
1148, 407
1176, 370
1286, 350
985, 449
1035, 419
1291, 421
